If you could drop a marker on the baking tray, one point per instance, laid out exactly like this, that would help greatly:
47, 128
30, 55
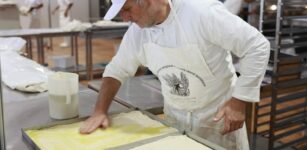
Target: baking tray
198, 139
32, 145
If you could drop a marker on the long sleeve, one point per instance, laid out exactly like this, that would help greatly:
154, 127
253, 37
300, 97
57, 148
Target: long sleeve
125, 63
233, 6
232, 33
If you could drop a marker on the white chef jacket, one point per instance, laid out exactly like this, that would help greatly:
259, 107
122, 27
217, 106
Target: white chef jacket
234, 6
63, 4
33, 3
209, 25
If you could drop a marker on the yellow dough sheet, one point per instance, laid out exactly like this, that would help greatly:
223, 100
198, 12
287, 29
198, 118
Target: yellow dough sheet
126, 128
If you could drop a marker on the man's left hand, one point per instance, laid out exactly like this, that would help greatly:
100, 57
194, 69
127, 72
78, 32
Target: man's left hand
233, 112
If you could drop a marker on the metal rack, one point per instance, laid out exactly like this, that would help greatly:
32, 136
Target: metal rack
104, 5
285, 113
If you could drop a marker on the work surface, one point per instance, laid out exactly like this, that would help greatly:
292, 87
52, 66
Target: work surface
10, 95
141, 93
35, 111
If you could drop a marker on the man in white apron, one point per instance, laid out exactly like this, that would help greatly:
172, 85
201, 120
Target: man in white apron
187, 45
34, 10
64, 6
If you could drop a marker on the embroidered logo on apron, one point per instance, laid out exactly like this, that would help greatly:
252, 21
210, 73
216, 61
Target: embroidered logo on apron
179, 85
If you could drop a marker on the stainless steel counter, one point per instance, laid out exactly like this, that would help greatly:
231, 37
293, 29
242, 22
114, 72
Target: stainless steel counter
40, 34
35, 111
138, 93
10, 95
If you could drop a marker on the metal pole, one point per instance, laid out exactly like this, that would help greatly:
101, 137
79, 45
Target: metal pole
261, 16
49, 14
90, 11
2, 135
50, 23
277, 48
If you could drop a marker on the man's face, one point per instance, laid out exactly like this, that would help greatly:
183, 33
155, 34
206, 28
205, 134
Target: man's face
142, 14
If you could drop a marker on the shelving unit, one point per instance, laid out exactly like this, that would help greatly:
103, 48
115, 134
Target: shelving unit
283, 117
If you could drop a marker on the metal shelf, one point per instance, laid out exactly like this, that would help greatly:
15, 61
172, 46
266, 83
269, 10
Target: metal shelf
288, 82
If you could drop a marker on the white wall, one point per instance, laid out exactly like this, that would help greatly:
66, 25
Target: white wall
94, 12
9, 18
80, 11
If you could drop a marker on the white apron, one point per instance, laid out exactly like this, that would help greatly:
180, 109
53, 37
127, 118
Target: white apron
63, 21
192, 94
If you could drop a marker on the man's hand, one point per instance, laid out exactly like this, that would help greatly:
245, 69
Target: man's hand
233, 112
95, 121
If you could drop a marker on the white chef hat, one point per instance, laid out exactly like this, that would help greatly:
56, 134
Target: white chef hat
114, 9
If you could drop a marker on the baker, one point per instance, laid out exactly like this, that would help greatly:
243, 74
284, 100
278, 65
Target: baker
187, 45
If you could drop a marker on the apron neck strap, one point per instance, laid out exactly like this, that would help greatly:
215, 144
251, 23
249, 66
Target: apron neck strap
173, 11
181, 31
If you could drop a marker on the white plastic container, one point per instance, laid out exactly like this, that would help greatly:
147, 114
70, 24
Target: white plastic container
63, 95
63, 61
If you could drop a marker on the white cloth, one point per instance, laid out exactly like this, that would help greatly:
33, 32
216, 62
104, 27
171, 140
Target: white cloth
12, 44
76, 25
108, 23
233, 6
19, 72
23, 74
209, 25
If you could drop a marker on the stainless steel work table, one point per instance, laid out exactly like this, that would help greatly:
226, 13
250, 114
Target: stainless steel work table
137, 94
27, 34
10, 95
35, 111
40, 34
105, 31
56, 32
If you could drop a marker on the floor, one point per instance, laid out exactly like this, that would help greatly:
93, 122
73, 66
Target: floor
103, 51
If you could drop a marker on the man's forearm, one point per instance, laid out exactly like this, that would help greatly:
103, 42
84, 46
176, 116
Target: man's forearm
107, 92
56, 9
68, 8
39, 6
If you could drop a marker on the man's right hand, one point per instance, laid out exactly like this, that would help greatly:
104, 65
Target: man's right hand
94, 122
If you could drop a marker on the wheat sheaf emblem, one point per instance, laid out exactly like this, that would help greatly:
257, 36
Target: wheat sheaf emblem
179, 85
